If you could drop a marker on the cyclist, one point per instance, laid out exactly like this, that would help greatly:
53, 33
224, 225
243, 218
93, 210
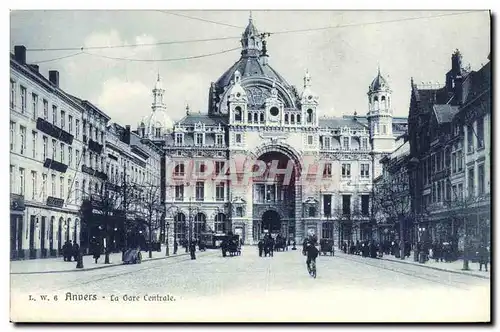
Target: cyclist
312, 253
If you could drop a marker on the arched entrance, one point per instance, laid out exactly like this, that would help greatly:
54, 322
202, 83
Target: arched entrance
271, 222
275, 190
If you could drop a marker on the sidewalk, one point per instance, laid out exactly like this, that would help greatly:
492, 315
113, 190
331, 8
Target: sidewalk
58, 265
453, 267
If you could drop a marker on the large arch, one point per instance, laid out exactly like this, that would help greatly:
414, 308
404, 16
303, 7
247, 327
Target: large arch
180, 226
200, 224
280, 147
271, 221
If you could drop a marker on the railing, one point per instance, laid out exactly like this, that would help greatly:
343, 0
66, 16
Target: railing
95, 147
55, 165
54, 131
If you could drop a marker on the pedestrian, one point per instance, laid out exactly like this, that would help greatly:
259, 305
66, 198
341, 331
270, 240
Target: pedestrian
192, 250
483, 257
176, 246
260, 245
76, 251
96, 251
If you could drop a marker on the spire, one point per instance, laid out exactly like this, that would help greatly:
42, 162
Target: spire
251, 40
187, 109
250, 17
307, 79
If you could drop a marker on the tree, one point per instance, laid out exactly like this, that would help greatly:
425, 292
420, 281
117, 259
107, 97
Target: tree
392, 200
151, 210
107, 208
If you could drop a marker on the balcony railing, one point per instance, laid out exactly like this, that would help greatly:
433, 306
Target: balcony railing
55, 165
54, 131
95, 147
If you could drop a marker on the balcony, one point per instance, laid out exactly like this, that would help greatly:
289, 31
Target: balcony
112, 187
55, 165
101, 175
95, 147
55, 202
442, 174
54, 131
88, 170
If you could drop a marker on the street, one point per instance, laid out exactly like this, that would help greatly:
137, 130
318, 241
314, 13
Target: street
247, 287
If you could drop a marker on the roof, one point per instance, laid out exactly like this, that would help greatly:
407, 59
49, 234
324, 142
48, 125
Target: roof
475, 83
339, 122
210, 120
428, 97
88, 103
250, 66
445, 113
379, 83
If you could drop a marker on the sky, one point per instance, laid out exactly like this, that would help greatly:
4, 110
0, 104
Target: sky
341, 60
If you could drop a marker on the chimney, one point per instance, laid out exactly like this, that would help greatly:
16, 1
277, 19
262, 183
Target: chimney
54, 77
20, 54
456, 63
127, 134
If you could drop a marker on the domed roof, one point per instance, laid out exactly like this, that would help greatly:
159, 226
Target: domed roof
379, 83
250, 30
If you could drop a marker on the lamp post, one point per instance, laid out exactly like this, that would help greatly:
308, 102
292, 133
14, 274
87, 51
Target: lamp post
167, 251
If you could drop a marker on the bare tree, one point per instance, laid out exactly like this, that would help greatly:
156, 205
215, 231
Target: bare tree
105, 208
151, 209
392, 201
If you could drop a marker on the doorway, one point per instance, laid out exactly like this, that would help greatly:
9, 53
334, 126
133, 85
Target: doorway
271, 222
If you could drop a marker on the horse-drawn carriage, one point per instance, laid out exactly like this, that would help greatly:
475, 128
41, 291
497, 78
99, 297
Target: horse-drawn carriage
231, 245
132, 256
326, 246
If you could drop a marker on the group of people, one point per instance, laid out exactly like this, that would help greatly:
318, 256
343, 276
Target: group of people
267, 244
70, 250
362, 248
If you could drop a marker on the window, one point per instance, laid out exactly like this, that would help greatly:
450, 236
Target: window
327, 205
346, 170
12, 94
219, 167
453, 162
12, 135
34, 141
179, 139
54, 149
220, 220
365, 205
23, 99
309, 114
62, 153
346, 204
448, 191
33, 185
364, 143
311, 212
238, 138
70, 156
261, 117
23, 138
470, 181
77, 189
239, 211
470, 138
179, 168
298, 118
219, 139
45, 147
345, 142
384, 129
77, 127
200, 167
480, 175
21, 181
237, 114
199, 139
61, 187
200, 191
365, 170
447, 155
310, 139
179, 192
438, 161
327, 171
439, 191
54, 115
460, 160
70, 123
460, 191
219, 192
12, 171
44, 185
286, 118
480, 132
34, 103
326, 143
63, 119
45, 109
102, 137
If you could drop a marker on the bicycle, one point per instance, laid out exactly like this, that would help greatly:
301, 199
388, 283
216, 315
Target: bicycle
312, 269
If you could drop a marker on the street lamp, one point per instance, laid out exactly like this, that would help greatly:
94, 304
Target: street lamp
167, 226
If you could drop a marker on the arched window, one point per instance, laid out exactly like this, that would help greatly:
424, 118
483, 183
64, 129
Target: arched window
180, 227
237, 114
255, 117
261, 117
292, 118
249, 117
298, 118
68, 228
220, 220
286, 118
309, 115
384, 102
200, 224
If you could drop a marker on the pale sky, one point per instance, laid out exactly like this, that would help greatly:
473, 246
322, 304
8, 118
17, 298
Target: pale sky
342, 61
